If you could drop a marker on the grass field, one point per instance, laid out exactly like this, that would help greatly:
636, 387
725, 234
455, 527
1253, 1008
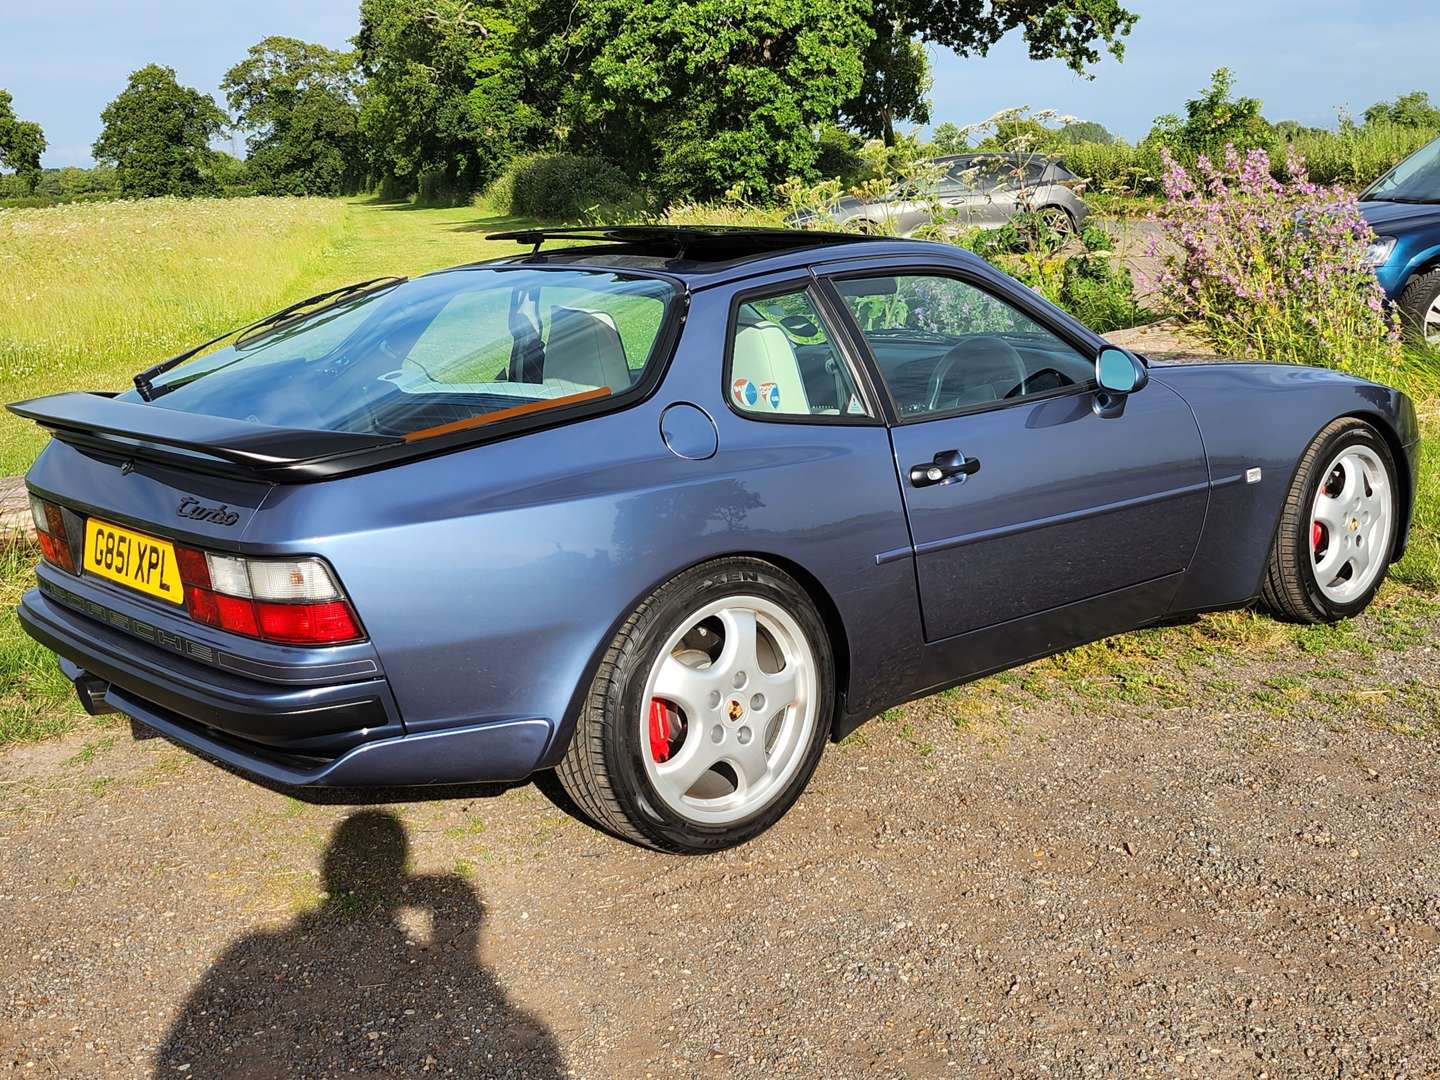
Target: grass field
89, 294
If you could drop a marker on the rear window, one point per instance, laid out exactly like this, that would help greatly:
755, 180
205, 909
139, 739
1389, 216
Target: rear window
446, 351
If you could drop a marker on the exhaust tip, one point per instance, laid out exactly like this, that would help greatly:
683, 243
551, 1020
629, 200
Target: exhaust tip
91, 692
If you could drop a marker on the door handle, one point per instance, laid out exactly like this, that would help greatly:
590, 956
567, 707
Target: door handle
948, 466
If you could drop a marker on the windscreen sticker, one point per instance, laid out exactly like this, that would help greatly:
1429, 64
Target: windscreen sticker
744, 392
770, 394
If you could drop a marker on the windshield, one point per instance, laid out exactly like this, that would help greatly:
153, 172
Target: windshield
1416, 179
443, 352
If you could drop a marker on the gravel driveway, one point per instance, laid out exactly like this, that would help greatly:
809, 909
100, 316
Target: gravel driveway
1223, 860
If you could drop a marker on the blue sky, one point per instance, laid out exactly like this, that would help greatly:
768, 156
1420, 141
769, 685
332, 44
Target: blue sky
65, 59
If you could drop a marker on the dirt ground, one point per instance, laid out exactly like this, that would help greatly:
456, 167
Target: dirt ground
1216, 862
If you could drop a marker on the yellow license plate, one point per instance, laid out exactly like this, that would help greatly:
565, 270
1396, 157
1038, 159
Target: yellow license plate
133, 559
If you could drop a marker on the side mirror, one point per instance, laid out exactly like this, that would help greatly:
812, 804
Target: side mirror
1118, 374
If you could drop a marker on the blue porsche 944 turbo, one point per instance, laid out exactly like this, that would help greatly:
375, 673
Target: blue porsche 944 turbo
666, 509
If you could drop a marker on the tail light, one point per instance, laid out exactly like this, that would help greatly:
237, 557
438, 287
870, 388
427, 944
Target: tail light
50, 528
287, 601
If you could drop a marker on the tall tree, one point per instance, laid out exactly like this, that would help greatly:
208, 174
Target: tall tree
949, 138
1085, 131
21, 143
157, 134
1068, 30
299, 102
698, 96
896, 88
442, 105
1214, 120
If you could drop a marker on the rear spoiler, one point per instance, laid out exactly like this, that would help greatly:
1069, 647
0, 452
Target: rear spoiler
154, 432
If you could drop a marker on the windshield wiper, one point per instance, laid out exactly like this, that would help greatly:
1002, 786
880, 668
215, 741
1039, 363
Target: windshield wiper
1407, 200
144, 381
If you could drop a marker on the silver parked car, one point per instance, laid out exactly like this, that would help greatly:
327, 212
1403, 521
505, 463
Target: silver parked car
976, 190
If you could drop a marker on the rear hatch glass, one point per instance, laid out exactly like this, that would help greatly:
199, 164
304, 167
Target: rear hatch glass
446, 351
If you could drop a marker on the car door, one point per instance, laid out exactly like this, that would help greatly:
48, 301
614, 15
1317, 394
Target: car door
993, 177
961, 197
1040, 501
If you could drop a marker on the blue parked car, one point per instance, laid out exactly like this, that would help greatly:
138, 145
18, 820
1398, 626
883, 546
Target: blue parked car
667, 511
1403, 207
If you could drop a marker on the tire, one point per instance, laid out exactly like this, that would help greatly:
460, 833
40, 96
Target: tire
1322, 539
1059, 219
1420, 307
627, 770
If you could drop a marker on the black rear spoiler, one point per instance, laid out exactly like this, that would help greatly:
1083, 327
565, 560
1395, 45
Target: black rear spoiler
151, 431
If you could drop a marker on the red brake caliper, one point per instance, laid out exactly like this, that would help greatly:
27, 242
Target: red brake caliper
659, 731
1315, 536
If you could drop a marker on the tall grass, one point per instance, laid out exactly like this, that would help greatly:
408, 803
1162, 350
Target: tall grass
1354, 157
35, 699
1358, 156
115, 286
1419, 376
724, 213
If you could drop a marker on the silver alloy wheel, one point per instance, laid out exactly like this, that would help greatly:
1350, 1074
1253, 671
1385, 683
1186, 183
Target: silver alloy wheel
1431, 329
738, 680
1056, 218
1351, 524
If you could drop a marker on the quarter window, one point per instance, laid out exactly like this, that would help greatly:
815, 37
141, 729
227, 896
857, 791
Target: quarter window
943, 344
783, 362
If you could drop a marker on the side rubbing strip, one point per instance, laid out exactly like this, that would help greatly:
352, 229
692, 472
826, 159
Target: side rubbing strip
894, 556
948, 542
508, 414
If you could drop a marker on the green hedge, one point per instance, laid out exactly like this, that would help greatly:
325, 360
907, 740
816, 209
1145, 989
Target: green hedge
559, 187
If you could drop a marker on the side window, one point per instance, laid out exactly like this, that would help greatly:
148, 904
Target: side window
943, 344
783, 362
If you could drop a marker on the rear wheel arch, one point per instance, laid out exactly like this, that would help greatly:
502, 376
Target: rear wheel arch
818, 594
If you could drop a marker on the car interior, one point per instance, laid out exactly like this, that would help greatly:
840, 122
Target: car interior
583, 349
975, 351
782, 361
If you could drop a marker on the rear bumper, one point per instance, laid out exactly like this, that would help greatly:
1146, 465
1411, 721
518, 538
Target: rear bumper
347, 733
488, 752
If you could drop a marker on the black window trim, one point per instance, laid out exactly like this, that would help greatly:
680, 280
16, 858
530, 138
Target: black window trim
838, 335
985, 285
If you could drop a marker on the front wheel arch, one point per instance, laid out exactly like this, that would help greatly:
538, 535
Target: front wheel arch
1283, 591
1405, 490
1416, 295
818, 594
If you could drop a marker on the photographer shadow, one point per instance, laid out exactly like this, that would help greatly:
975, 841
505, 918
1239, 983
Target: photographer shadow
346, 989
